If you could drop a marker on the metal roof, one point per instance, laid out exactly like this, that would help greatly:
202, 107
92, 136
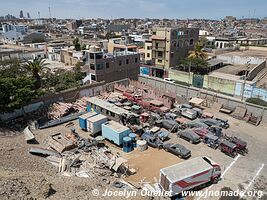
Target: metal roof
97, 118
115, 126
108, 106
186, 169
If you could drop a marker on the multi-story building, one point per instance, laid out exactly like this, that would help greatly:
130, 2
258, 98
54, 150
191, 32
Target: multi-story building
123, 43
14, 33
168, 46
111, 67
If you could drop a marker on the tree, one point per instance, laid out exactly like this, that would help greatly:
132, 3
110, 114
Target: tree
77, 45
16, 93
203, 41
198, 52
36, 67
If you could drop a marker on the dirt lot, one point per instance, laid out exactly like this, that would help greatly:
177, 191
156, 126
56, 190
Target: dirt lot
24, 176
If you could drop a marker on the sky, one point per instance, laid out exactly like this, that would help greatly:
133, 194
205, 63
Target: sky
175, 9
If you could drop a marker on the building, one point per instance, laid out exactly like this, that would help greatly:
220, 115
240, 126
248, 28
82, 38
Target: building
13, 33
123, 43
167, 47
111, 67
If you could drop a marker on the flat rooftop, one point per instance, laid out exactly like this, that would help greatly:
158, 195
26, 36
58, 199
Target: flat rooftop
234, 69
116, 126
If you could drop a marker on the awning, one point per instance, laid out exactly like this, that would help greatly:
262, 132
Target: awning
196, 101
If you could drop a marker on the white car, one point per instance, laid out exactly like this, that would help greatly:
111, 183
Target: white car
169, 80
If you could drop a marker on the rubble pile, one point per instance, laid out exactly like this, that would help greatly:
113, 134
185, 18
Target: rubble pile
77, 156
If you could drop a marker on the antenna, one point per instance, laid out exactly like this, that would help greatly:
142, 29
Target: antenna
49, 9
39, 14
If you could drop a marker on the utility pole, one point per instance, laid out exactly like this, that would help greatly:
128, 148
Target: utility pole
244, 84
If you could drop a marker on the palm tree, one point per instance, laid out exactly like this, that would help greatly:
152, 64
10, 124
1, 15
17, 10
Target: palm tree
198, 52
36, 66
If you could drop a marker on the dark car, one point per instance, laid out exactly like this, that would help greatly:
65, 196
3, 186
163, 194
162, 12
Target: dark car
224, 123
201, 131
152, 140
178, 150
196, 124
170, 125
214, 122
189, 135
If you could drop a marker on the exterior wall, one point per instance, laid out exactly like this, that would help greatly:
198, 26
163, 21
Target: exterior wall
174, 45
148, 51
256, 70
181, 76
240, 60
219, 85
118, 68
67, 58
183, 93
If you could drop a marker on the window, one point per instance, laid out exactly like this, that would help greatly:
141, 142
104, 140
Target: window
157, 45
92, 56
136, 59
92, 66
172, 54
93, 78
98, 56
99, 66
120, 63
191, 42
107, 65
127, 61
159, 60
160, 53
148, 55
148, 47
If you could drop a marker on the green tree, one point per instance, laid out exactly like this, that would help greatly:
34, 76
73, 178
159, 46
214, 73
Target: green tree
198, 52
36, 66
77, 45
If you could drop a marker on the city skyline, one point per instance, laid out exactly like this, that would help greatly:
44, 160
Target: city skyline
181, 9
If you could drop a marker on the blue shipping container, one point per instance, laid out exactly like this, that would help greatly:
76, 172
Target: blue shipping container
83, 119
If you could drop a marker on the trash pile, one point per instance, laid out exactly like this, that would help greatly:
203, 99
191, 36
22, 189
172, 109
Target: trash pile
77, 156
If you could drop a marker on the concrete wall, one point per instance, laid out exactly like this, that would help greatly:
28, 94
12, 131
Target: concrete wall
210, 97
256, 70
69, 95
240, 60
181, 76
221, 85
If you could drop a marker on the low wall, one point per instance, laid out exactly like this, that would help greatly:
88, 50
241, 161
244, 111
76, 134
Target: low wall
210, 97
69, 95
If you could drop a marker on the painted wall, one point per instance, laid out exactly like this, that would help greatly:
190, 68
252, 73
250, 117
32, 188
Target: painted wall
218, 84
181, 76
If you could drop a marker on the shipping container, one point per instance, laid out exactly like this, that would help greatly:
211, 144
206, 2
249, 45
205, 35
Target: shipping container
83, 119
115, 132
94, 123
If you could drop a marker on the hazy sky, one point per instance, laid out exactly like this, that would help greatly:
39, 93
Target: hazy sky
212, 9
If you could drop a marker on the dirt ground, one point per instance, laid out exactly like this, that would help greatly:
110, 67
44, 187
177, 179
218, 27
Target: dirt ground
25, 176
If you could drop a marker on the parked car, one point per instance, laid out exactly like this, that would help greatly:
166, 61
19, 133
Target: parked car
228, 148
178, 150
152, 140
196, 124
224, 123
241, 144
169, 80
189, 135
212, 141
170, 125
201, 132
214, 122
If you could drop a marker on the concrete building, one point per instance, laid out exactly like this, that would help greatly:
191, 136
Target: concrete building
168, 47
123, 43
13, 33
110, 67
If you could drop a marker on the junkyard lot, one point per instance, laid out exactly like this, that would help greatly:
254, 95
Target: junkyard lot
238, 176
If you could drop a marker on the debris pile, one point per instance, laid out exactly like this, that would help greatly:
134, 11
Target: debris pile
77, 156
